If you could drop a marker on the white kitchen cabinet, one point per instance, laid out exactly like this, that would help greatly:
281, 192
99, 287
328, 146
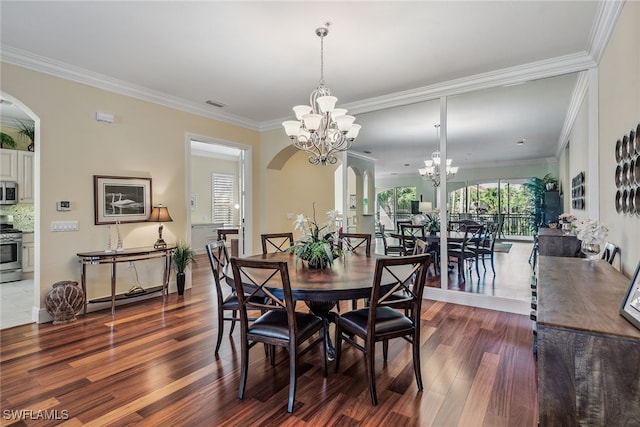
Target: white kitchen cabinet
28, 253
8, 165
17, 166
202, 234
25, 177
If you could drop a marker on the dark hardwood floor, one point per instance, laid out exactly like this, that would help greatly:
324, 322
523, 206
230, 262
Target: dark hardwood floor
153, 364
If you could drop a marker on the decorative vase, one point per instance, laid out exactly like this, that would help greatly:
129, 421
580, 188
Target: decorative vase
64, 301
318, 263
180, 280
590, 249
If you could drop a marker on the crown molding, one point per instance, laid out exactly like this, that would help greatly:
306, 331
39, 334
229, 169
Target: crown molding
44, 65
603, 27
505, 77
579, 92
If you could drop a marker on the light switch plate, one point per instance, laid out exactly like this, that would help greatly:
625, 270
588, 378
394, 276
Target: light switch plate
64, 225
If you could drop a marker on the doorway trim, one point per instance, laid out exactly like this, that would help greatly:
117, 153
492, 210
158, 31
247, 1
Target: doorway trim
245, 174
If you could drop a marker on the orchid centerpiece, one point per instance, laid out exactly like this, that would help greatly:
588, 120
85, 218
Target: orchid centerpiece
317, 245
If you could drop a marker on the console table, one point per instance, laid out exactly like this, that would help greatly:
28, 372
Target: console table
127, 255
555, 242
588, 354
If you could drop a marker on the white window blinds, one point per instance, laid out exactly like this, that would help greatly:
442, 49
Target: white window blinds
222, 198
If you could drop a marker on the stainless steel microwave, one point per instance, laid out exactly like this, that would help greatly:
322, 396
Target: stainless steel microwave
8, 193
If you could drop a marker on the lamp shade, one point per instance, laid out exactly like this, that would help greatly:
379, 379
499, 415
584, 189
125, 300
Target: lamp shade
425, 207
160, 214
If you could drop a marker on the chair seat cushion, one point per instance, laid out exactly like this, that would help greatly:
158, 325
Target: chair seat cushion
230, 302
273, 324
387, 320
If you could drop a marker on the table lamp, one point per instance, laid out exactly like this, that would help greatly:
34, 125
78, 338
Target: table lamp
425, 207
160, 214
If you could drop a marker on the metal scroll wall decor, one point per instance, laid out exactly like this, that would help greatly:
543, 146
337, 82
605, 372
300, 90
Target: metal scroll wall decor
628, 173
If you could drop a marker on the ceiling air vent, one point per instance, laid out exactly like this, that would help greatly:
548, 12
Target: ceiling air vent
216, 104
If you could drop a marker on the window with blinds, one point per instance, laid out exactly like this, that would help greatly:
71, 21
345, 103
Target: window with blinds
222, 198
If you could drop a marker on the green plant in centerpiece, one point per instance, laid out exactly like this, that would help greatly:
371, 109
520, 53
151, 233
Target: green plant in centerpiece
317, 245
431, 222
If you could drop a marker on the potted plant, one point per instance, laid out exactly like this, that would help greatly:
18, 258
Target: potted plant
6, 140
431, 223
317, 245
183, 256
27, 131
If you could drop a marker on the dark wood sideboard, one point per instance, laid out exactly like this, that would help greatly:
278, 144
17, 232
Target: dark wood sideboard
588, 355
555, 242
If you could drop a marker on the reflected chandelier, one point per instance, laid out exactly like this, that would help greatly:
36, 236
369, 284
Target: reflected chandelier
321, 129
432, 169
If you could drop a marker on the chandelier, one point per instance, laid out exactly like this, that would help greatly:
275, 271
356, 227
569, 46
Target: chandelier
432, 167
321, 129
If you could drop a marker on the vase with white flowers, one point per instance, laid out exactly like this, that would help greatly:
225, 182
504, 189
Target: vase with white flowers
567, 220
317, 246
592, 234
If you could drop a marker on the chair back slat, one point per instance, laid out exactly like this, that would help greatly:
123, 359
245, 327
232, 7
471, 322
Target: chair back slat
256, 277
351, 242
218, 259
401, 274
276, 242
610, 252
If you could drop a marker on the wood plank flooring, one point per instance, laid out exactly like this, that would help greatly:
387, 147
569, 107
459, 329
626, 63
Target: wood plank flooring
153, 364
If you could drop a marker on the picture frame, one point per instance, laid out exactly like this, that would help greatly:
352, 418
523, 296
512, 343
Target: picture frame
121, 199
630, 308
352, 202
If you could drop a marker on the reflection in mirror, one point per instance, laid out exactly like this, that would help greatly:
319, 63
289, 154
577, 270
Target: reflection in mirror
501, 138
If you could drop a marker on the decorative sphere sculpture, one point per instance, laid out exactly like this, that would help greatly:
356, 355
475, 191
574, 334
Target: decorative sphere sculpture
64, 301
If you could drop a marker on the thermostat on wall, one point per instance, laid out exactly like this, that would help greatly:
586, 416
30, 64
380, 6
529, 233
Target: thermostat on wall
63, 205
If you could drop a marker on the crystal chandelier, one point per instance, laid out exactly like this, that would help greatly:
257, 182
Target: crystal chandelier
432, 169
321, 129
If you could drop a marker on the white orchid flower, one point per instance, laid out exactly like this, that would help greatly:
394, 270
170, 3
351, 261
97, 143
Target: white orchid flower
299, 222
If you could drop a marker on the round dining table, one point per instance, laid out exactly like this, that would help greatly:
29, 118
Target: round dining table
349, 278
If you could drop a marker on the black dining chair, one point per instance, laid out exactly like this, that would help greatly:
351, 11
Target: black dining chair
218, 258
381, 322
354, 242
279, 325
276, 242
390, 249
472, 235
485, 248
408, 235
610, 252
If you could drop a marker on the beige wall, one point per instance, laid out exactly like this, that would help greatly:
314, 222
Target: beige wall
619, 112
145, 140
202, 168
578, 158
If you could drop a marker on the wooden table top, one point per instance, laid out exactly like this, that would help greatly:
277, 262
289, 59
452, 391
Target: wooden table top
579, 294
350, 277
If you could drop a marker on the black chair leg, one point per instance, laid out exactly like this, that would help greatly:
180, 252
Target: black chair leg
370, 359
416, 361
220, 330
233, 324
385, 347
293, 363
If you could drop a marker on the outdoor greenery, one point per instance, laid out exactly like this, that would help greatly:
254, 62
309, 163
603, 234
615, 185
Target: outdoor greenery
403, 195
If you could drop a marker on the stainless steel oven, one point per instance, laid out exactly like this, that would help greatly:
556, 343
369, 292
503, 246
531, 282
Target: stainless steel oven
10, 251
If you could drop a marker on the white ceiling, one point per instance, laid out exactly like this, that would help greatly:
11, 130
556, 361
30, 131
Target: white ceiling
383, 60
